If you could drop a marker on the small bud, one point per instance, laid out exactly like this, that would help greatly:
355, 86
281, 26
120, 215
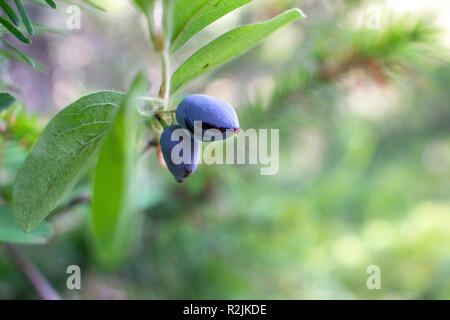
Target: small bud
181, 153
199, 113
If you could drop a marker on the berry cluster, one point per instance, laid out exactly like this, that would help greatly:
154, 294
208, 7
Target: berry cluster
200, 118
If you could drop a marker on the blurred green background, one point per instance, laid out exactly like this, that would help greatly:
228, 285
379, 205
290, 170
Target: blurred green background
360, 94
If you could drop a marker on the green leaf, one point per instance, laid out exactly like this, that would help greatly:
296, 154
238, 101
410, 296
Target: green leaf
114, 216
25, 19
10, 231
146, 6
229, 46
9, 12
191, 16
63, 153
16, 32
93, 4
6, 100
51, 3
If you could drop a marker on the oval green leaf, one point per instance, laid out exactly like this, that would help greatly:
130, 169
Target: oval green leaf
229, 46
114, 218
192, 16
63, 153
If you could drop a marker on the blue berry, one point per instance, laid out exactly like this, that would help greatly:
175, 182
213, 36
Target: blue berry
210, 113
180, 163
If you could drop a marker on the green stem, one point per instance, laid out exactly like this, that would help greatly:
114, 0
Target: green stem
162, 121
153, 100
149, 115
164, 91
162, 46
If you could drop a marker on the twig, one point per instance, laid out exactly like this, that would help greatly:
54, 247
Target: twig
36, 278
64, 219
150, 145
83, 198
161, 45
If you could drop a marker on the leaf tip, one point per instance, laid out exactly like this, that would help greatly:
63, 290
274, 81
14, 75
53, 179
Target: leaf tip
300, 13
26, 227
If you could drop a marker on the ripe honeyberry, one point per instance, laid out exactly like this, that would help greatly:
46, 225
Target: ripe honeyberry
181, 153
199, 110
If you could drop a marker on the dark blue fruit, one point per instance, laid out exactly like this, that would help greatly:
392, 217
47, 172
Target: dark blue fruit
181, 153
210, 113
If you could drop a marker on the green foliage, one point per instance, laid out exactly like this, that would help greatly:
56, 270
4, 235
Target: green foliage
353, 189
6, 100
25, 18
51, 3
114, 218
9, 12
18, 55
22, 126
95, 125
15, 20
14, 31
66, 149
10, 231
229, 46
30, 27
401, 40
191, 16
